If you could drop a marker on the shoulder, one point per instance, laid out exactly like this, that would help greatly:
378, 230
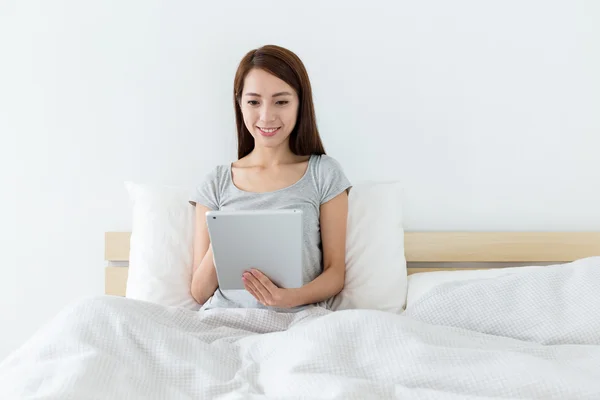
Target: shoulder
215, 179
329, 177
325, 164
217, 174
209, 191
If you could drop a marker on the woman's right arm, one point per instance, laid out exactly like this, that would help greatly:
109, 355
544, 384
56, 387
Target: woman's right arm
204, 278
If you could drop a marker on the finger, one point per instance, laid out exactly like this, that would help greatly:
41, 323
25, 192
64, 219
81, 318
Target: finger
266, 282
260, 286
260, 289
252, 292
252, 284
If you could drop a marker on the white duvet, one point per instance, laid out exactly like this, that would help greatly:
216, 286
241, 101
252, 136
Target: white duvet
531, 336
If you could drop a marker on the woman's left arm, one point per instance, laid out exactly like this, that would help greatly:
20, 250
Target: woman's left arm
333, 220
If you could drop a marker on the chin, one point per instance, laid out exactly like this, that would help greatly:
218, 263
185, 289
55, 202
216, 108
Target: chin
271, 144
270, 141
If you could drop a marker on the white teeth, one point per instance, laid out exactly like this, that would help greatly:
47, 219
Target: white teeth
268, 130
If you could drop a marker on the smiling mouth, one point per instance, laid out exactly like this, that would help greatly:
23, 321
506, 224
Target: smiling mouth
268, 131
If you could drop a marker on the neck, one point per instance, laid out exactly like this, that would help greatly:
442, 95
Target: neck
272, 155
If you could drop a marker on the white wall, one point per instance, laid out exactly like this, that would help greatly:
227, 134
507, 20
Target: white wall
487, 112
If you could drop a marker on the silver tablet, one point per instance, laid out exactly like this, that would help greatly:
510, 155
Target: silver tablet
268, 240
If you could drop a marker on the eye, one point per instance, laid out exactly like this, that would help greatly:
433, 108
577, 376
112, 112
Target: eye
282, 102
252, 102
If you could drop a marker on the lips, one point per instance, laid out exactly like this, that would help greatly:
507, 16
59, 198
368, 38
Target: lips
268, 131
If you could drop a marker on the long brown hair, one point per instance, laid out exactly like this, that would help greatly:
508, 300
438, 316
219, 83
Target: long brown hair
287, 66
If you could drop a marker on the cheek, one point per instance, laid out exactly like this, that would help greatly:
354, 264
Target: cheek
249, 118
289, 118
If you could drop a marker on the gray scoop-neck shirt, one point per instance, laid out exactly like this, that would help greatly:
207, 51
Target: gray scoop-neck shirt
323, 180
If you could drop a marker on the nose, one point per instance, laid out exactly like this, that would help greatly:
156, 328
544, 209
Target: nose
267, 114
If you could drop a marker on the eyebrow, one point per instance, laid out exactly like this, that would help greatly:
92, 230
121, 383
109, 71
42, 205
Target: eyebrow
275, 95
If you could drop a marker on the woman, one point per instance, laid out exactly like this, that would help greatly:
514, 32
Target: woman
281, 164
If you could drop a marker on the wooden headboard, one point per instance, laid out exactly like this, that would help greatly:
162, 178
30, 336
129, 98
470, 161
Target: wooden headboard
430, 251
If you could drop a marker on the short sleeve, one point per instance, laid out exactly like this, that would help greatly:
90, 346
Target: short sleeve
332, 179
208, 192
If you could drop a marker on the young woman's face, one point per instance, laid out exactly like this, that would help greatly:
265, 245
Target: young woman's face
270, 108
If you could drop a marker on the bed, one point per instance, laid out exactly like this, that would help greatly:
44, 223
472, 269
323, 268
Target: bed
531, 332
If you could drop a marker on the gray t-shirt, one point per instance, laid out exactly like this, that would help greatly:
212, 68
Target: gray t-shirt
323, 180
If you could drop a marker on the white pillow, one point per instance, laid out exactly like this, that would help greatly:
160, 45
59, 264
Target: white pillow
376, 275
161, 248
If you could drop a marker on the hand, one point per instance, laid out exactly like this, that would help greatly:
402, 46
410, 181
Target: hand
265, 291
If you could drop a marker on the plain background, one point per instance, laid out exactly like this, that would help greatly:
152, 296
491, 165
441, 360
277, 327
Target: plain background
488, 112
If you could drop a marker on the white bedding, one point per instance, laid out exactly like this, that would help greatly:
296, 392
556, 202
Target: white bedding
536, 337
421, 283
